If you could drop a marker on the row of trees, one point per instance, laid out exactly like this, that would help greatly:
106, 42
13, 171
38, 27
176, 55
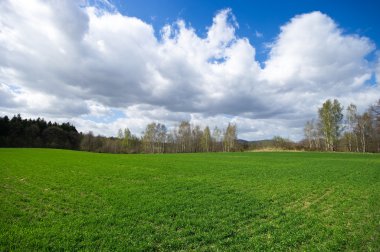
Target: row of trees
344, 129
336, 129
188, 138
18, 132
158, 139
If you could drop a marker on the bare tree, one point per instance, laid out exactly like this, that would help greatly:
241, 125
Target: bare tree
87, 142
197, 134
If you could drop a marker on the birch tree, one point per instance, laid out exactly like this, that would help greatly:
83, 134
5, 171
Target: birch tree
375, 114
308, 131
330, 115
184, 136
230, 138
161, 132
206, 140
216, 139
196, 138
149, 138
363, 130
351, 121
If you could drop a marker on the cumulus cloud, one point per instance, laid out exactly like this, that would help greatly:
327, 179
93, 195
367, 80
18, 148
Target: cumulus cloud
85, 60
312, 60
312, 50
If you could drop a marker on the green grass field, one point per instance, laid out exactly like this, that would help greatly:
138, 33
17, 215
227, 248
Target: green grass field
56, 199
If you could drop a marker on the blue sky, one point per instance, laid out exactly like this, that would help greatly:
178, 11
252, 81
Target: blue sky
265, 65
264, 17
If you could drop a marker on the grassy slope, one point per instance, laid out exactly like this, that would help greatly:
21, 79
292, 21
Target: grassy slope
228, 201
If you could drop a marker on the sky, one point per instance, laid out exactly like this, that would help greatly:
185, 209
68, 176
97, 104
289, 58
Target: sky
265, 65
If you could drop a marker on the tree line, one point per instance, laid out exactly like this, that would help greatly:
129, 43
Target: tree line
156, 138
19, 132
335, 129
344, 129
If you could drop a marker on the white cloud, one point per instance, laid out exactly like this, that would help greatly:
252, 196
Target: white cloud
67, 60
314, 52
8, 97
258, 34
313, 60
98, 109
222, 32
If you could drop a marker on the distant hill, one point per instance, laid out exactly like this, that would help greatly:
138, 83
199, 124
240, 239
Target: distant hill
265, 142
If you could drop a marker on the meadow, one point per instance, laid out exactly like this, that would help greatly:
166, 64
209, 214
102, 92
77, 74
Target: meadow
71, 200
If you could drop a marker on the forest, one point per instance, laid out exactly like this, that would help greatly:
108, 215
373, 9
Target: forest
335, 128
37, 133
